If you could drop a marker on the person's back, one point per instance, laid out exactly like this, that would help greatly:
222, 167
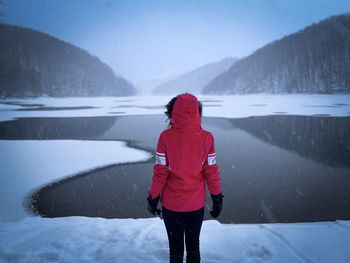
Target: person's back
186, 156
185, 161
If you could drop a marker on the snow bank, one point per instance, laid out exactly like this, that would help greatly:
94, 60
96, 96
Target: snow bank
27, 164
82, 239
233, 106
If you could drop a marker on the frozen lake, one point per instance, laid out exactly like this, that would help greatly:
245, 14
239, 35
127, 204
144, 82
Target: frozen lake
274, 168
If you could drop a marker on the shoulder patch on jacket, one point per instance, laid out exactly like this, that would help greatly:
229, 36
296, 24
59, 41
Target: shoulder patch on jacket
160, 158
211, 158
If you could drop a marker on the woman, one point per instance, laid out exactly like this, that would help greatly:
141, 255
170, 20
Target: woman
185, 163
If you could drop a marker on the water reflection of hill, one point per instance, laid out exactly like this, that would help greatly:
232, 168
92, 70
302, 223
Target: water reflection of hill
266, 164
326, 140
55, 128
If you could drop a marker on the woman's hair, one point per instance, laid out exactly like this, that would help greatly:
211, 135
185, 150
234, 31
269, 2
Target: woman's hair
170, 106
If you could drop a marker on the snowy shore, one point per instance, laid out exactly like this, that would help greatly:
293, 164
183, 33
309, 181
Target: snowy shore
82, 239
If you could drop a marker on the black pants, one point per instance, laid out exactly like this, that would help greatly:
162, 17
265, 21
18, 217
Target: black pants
183, 224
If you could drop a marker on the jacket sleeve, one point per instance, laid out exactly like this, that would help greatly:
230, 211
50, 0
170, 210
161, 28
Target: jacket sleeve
160, 169
211, 170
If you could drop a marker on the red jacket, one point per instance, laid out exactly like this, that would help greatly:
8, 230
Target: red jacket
185, 160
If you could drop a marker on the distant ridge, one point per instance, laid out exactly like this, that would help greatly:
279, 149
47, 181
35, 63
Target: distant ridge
195, 80
36, 64
313, 60
147, 86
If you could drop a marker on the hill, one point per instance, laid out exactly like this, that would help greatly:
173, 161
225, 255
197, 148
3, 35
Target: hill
195, 80
313, 60
36, 64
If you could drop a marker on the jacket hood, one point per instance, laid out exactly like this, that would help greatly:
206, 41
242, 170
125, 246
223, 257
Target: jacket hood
185, 114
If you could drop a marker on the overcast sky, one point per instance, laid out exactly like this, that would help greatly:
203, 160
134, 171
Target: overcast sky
147, 39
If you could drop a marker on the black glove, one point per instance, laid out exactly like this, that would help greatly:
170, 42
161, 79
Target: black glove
217, 205
152, 205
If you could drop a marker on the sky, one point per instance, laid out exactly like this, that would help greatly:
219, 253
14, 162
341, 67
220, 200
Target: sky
151, 39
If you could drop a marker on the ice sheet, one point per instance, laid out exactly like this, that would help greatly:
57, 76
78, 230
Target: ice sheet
233, 106
27, 164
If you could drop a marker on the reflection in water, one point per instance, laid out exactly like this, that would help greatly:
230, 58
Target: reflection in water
44, 108
55, 128
273, 169
142, 107
326, 140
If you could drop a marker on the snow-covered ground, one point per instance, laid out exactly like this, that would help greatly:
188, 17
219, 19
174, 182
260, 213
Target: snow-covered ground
82, 239
234, 106
28, 164
25, 165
